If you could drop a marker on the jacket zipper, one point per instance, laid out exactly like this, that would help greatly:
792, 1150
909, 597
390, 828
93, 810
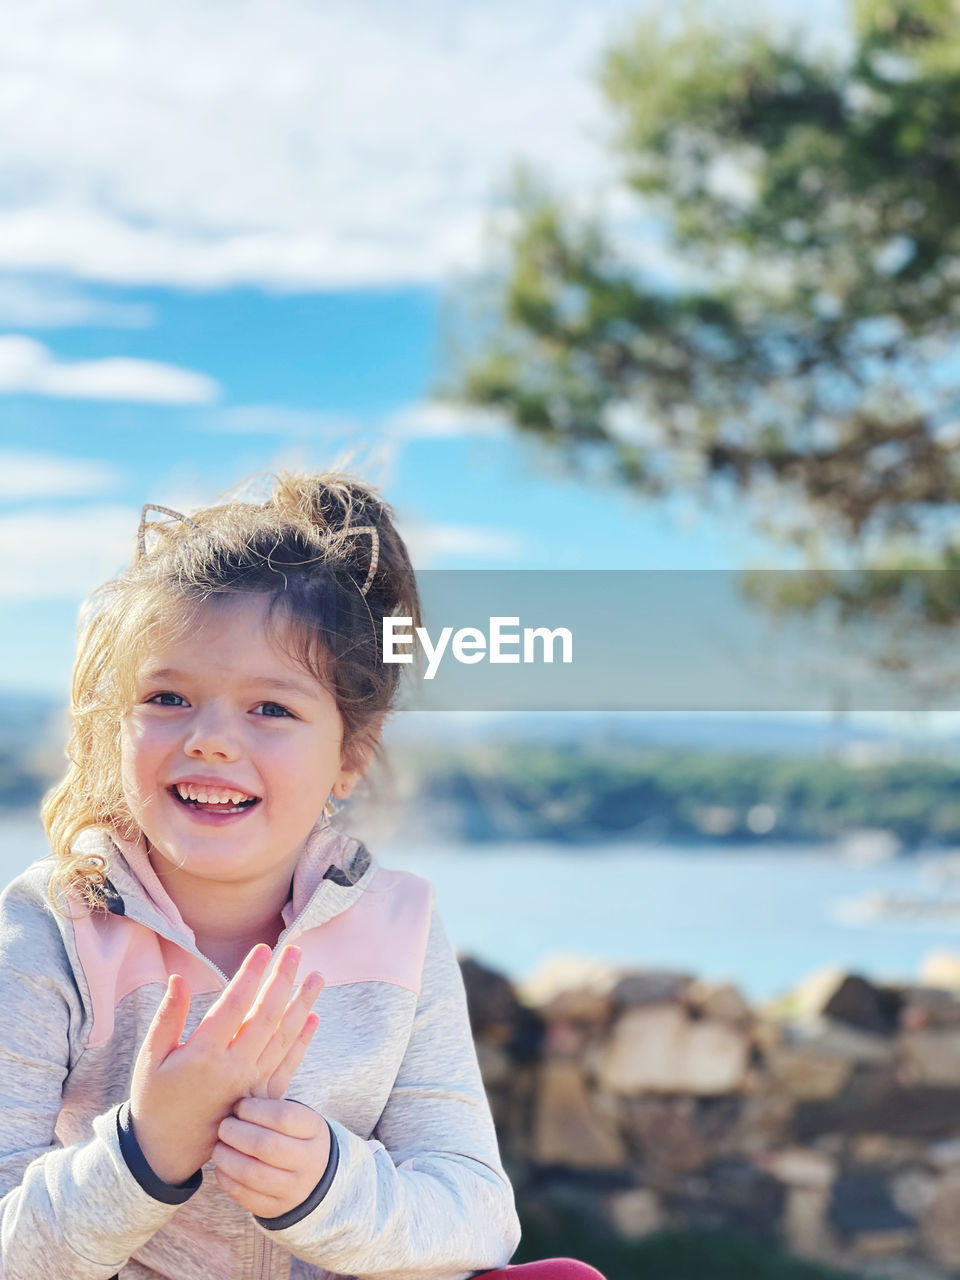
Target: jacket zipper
195, 951
262, 1251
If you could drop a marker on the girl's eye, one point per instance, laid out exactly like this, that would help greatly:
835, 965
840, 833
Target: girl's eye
273, 710
160, 699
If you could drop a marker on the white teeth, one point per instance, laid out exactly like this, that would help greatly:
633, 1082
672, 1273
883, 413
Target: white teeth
207, 795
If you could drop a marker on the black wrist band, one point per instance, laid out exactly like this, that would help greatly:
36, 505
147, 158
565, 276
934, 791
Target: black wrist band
165, 1192
313, 1199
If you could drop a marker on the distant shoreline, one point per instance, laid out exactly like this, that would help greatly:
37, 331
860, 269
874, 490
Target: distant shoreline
639, 845
631, 794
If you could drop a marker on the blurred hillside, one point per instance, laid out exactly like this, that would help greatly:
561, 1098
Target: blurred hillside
582, 779
32, 734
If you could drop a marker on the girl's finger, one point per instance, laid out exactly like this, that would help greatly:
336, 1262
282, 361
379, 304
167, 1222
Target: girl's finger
277, 1082
168, 1022
260, 1025
223, 1018
251, 1172
246, 1197
290, 1025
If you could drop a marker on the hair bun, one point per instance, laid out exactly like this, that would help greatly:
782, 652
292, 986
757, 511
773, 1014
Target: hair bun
327, 500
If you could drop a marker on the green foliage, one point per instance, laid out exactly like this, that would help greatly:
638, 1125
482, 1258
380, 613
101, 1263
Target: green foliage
669, 1255
812, 203
582, 794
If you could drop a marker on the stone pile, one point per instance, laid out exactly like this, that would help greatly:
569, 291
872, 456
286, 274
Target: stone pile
828, 1122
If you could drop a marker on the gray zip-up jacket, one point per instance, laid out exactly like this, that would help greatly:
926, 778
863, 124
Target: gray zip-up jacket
414, 1189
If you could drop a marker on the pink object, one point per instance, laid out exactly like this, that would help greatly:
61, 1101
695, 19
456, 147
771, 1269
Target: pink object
382, 937
547, 1269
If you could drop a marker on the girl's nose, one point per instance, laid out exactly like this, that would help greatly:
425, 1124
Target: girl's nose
211, 733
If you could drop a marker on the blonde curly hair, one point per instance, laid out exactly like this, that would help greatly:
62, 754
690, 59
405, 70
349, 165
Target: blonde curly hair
329, 585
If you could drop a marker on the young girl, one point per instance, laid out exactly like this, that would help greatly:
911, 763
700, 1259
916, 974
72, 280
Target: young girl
171, 1105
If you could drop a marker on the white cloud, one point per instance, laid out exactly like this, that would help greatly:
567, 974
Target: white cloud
48, 304
429, 543
47, 475
27, 366
293, 144
57, 554
276, 419
437, 419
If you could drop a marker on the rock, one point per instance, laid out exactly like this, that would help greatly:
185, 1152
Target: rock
816, 1059
805, 1221
657, 1048
516, 1110
571, 989
650, 986
491, 1002
926, 1008
831, 1144
579, 1004
808, 997
564, 1040
757, 1078
719, 1122
821, 1128
495, 1065
716, 1058
862, 1203
847, 998
944, 1155
764, 1121
666, 1132
884, 1150
858, 1003
567, 1128
767, 1034
635, 1214
800, 1167
940, 1224
806, 1073
913, 1191
861, 1047
882, 1244
731, 1194
872, 1102
930, 1057
720, 1000
941, 969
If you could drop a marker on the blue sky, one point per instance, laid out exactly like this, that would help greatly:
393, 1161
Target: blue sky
236, 258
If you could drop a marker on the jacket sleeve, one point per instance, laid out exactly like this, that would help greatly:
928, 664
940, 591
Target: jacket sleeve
427, 1198
66, 1213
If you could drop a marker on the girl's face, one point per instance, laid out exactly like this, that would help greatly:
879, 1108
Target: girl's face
230, 751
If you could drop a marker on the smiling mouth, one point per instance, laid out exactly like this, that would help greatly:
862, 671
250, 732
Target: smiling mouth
211, 806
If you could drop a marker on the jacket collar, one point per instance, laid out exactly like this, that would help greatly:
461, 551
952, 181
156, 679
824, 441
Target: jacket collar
334, 870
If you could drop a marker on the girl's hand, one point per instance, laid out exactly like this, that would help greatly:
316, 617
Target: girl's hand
271, 1154
181, 1092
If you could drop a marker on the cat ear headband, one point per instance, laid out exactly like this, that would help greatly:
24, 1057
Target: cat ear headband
178, 515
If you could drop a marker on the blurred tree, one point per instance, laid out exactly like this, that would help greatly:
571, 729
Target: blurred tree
806, 348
